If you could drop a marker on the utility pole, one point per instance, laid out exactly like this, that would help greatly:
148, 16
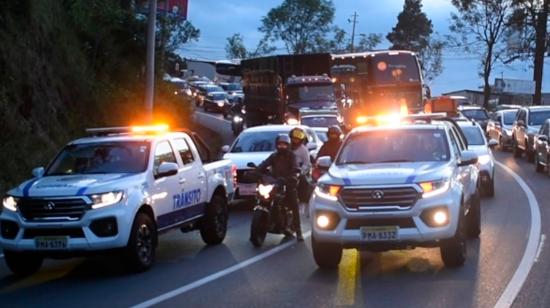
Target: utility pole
540, 49
354, 21
150, 65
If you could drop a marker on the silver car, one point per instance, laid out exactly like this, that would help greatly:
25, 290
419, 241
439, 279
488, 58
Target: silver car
499, 128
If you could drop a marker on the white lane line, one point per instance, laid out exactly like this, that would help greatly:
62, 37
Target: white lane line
217, 275
518, 279
541, 245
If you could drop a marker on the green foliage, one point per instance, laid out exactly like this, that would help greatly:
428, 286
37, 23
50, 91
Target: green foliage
69, 65
299, 24
413, 31
235, 48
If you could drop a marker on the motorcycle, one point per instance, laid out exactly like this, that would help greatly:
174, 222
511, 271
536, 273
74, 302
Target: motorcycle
270, 215
238, 113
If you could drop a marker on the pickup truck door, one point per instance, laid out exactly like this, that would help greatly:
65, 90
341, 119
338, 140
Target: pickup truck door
192, 180
463, 172
164, 188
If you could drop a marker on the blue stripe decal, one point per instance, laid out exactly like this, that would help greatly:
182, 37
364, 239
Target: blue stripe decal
347, 181
180, 215
410, 179
28, 187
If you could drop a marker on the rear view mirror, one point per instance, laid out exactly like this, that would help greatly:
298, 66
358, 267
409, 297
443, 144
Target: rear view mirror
167, 169
467, 158
225, 149
324, 162
38, 172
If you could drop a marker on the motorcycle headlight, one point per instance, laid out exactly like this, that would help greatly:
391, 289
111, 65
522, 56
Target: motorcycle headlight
329, 192
106, 199
292, 121
220, 104
10, 203
434, 188
237, 119
265, 190
484, 159
243, 111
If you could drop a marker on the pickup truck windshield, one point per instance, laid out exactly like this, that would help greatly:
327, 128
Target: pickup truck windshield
509, 117
475, 114
101, 158
256, 142
393, 146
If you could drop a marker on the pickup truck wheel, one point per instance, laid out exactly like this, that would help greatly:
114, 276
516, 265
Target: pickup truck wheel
213, 226
453, 251
326, 255
538, 166
517, 151
142, 244
474, 217
22, 263
489, 189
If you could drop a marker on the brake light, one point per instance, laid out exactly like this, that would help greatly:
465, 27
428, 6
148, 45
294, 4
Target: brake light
234, 174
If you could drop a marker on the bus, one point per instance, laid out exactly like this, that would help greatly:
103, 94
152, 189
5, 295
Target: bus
379, 82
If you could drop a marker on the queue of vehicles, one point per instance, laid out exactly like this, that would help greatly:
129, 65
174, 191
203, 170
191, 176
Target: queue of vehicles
419, 186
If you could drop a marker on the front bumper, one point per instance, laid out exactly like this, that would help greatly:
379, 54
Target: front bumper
413, 231
80, 233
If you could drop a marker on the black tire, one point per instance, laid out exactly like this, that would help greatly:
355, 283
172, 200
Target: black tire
326, 255
474, 217
489, 188
453, 251
258, 228
517, 151
538, 166
213, 226
141, 247
23, 264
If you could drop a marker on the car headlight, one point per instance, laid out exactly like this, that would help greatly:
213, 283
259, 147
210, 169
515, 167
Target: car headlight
10, 203
265, 190
106, 199
434, 188
329, 192
483, 159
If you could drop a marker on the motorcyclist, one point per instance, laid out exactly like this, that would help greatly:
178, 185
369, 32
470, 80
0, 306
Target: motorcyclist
284, 168
298, 140
332, 145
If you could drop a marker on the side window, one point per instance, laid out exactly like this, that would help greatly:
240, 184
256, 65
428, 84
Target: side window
499, 119
545, 128
163, 153
184, 151
458, 140
454, 145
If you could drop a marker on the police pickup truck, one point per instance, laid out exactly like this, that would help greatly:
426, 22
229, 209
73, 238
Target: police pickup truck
116, 190
401, 185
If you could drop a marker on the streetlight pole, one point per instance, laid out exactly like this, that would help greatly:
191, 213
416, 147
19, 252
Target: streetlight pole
150, 65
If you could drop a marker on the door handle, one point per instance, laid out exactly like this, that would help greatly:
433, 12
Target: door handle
182, 181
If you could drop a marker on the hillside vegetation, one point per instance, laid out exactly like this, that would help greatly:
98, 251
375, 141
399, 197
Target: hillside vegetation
64, 66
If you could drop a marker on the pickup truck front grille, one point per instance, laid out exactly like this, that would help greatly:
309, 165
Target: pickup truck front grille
379, 199
51, 209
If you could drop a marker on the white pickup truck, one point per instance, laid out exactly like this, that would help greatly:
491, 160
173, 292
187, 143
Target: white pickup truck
116, 190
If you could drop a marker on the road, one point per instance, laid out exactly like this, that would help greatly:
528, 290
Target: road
283, 272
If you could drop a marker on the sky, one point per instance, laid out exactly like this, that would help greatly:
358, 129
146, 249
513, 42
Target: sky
218, 20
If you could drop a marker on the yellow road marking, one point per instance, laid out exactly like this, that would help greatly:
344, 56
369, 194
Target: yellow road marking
348, 276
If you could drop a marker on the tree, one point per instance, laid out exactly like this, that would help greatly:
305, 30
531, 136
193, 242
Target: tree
528, 33
300, 24
413, 32
480, 28
368, 42
234, 47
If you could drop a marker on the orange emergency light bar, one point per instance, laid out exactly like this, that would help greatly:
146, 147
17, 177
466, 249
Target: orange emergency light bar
159, 128
442, 104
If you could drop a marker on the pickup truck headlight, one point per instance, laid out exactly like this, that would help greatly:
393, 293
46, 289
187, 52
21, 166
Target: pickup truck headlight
265, 190
434, 188
10, 203
329, 192
106, 199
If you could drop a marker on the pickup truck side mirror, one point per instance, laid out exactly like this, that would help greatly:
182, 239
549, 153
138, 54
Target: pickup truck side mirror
251, 165
167, 169
225, 149
543, 138
467, 158
324, 162
492, 143
38, 172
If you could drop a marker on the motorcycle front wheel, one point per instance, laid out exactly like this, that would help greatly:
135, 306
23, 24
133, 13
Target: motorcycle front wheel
258, 228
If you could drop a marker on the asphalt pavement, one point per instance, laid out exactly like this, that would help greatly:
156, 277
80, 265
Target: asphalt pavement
283, 273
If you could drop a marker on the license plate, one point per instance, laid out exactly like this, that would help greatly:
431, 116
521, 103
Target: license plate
247, 189
51, 242
375, 234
